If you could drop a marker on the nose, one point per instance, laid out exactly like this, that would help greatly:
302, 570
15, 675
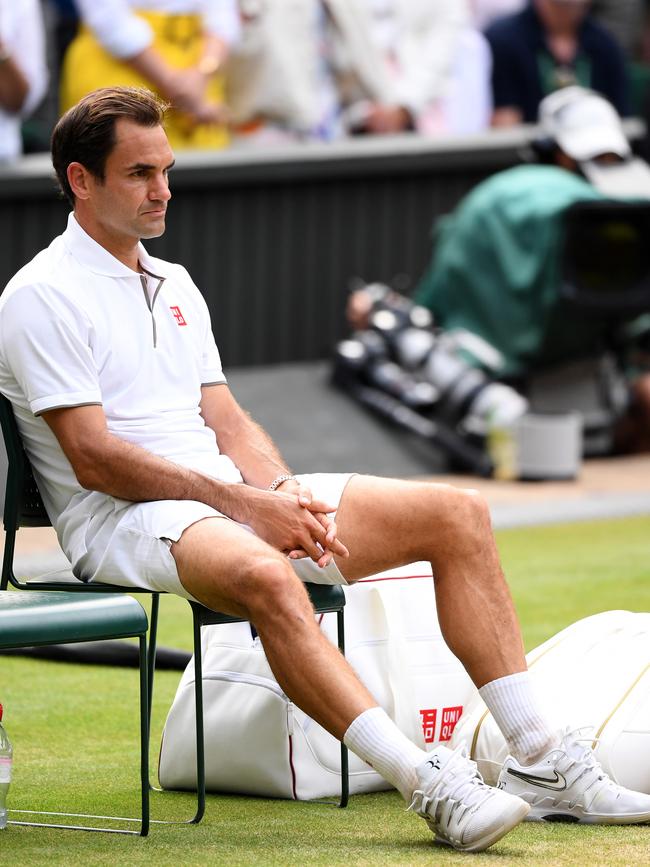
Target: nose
159, 190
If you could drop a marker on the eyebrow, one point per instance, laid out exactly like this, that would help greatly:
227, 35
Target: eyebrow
148, 167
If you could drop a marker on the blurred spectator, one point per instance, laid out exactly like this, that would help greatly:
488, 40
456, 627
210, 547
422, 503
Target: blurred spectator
549, 45
623, 18
23, 70
409, 64
278, 81
320, 68
175, 47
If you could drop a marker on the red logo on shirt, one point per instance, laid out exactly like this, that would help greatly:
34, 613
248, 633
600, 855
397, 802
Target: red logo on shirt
178, 316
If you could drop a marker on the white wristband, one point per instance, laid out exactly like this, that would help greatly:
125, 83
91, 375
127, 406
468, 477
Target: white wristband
277, 482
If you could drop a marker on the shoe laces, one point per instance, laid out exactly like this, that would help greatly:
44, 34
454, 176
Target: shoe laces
458, 783
590, 769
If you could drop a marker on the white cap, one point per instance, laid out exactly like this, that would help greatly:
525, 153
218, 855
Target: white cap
629, 179
583, 123
586, 126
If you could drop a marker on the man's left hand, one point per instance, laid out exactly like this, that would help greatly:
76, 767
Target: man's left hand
334, 545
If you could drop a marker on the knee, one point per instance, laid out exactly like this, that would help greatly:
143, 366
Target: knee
271, 588
462, 528
467, 513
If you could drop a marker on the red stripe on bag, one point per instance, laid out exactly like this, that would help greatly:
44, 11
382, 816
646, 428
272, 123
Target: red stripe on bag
390, 578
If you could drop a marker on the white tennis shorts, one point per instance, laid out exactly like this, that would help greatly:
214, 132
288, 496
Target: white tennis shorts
132, 548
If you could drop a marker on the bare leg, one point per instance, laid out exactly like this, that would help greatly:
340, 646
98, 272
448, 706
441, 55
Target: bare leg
228, 569
386, 523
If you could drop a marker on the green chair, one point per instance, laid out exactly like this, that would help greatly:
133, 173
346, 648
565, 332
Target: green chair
39, 618
24, 508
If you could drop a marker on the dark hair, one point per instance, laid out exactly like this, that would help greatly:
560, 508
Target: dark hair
86, 132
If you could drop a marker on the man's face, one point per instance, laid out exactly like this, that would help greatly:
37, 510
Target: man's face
132, 199
562, 14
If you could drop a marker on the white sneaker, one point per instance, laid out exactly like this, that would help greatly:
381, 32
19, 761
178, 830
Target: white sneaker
569, 785
458, 806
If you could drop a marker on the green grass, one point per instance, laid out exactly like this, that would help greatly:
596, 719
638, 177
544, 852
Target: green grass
75, 733
561, 573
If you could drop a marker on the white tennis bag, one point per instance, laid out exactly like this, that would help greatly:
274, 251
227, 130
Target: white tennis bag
260, 743
595, 673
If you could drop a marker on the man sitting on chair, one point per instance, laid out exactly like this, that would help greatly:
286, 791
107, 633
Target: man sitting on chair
154, 477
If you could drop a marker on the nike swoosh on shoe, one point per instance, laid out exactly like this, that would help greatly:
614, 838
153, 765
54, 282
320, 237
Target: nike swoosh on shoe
557, 783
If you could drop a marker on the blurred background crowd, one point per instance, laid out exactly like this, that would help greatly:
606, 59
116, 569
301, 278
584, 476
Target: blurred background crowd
256, 72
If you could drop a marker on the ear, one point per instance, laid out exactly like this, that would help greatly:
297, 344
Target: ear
80, 180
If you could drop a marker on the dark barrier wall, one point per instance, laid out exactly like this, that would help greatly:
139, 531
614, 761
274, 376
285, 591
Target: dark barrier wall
272, 239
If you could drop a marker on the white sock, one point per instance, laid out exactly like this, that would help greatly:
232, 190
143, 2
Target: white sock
513, 705
375, 738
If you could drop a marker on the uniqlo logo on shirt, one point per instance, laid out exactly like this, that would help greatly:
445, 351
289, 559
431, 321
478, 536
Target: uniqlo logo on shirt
178, 316
429, 724
450, 716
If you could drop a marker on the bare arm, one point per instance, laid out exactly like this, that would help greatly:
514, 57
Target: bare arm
14, 86
184, 88
104, 462
241, 438
23, 69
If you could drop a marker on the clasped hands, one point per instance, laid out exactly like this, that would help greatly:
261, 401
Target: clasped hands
290, 520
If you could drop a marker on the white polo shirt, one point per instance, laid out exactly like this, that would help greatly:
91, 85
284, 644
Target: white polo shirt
78, 327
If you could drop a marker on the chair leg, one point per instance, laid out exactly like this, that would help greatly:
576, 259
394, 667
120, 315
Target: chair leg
145, 725
8, 558
200, 748
345, 776
151, 659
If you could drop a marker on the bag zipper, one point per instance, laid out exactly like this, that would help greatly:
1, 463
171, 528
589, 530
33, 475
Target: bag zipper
252, 679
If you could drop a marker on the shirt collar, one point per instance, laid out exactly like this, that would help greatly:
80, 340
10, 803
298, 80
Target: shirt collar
92, 255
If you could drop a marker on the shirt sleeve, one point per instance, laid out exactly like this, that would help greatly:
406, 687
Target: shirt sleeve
221, 17
122, 33
506, 74
212, 371
47, 345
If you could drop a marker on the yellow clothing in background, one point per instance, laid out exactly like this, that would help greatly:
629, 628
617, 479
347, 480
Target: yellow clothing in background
179, 41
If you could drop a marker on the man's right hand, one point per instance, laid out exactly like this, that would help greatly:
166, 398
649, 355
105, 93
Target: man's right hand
293, 527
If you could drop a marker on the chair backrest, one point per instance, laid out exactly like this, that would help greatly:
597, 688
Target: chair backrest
23, 506
605, 260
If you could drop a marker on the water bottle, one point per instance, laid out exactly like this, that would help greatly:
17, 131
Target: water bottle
6, 753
